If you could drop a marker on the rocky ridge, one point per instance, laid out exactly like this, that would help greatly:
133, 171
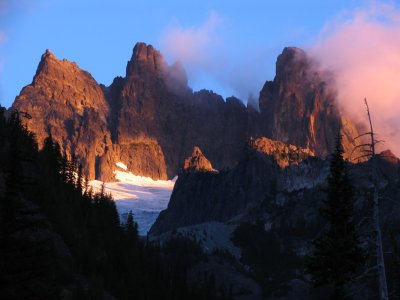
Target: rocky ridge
200, 197
151, 120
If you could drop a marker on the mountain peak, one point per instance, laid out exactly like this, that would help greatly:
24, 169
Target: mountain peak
197, 162
50, 64
145, 58
52, 68
46, 57
291, 59
293, 51
47, 53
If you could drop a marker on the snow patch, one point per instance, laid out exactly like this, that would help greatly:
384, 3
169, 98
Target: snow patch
145, 196
122, 166
128, 177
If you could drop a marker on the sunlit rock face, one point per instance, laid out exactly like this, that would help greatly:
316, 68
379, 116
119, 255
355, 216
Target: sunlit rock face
300, 107
151, 119
197, 162
284, 154
69, 104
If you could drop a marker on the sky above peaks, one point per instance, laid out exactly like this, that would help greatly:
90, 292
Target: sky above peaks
226, 46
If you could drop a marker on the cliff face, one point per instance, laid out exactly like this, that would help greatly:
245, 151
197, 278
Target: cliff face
283, 154
283, 203
68, 103
133, 109
151, 120
200, 196
300, 108
153, 108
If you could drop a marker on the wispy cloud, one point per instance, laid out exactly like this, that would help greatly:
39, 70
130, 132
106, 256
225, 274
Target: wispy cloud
205, 52
193, 45
363, 50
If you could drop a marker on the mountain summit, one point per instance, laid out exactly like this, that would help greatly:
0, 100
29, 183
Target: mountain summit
145, 59
300, 106
67, 102
151, 119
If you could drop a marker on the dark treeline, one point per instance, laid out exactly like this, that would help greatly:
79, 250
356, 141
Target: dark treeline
339, 258
59, 239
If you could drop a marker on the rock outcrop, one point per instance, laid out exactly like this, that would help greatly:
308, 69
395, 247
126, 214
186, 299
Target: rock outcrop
151, 120
197, 162
284, 155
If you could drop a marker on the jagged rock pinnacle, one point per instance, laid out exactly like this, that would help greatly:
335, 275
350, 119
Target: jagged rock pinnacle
48, 52
198, 162
145, 58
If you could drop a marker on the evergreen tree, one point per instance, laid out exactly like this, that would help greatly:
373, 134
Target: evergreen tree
394, 268
72, 170
86, 184
336, 254
79, 180
64, 166
131, 225
112, 261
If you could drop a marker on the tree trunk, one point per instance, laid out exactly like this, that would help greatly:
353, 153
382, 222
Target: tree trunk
383, 292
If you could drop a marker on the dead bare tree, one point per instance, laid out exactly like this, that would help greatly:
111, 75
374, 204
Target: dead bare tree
369, 152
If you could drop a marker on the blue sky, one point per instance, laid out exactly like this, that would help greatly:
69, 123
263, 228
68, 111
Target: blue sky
235, 43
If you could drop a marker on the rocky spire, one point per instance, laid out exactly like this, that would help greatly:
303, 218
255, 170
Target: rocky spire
300, 107
197, 162
47, 54
145, 59
47, 60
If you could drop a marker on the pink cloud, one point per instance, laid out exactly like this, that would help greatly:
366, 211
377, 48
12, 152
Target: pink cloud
190, 45
362, 48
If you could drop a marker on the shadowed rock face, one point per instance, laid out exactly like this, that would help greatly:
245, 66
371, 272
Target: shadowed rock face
153, 102
200, 196
151, 120
285, 202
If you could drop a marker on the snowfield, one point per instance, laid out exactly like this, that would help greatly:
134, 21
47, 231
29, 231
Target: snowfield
145, 196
